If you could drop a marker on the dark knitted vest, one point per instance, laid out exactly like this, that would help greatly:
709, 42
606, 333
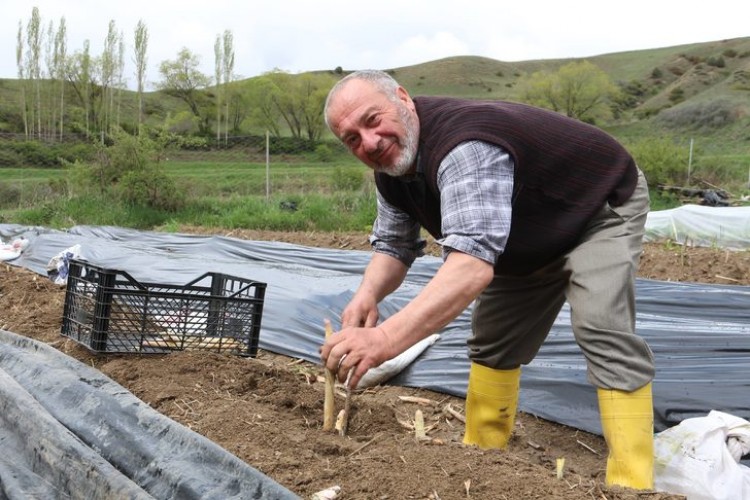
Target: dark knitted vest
564, 172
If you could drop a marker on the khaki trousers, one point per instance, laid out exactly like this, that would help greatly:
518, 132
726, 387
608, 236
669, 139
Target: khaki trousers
513, 315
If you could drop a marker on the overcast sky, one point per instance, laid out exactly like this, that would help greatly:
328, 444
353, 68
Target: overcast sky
303, 35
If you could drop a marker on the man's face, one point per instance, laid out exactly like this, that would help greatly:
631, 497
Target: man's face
381, 132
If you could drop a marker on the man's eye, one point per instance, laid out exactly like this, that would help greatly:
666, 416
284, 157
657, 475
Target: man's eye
352, 141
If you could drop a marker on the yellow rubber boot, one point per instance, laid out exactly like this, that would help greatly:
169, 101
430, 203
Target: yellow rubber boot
628, 428
491, 403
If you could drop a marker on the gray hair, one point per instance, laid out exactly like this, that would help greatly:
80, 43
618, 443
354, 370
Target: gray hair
381, 80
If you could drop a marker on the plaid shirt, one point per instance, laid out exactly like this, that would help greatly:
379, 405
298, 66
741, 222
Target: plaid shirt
476, 185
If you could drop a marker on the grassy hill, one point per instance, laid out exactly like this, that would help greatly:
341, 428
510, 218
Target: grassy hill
695, 90
683, 65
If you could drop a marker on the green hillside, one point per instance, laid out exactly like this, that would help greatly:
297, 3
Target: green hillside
700, 89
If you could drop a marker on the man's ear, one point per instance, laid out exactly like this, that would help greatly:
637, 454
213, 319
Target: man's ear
404, 97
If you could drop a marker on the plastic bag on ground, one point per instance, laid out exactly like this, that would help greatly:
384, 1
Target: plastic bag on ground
58, 266
699, 458
13, 250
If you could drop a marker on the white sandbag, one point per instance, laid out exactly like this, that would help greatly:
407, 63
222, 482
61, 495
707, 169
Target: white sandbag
389, 369
699, 458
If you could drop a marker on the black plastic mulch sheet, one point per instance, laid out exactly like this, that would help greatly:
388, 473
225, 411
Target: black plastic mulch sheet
67, 431
700, 334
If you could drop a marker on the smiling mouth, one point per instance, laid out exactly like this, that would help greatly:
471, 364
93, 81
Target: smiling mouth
382, 154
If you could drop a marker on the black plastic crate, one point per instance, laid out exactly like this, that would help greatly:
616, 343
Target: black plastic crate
109, 311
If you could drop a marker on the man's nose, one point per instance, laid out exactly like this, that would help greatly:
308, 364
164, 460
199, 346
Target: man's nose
370, 140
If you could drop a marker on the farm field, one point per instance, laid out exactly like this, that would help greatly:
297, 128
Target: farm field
268, 411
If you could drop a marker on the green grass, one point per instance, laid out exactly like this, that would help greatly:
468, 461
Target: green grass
31, 175
234, 194
230, 195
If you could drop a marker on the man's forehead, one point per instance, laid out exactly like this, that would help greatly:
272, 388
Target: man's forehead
353, 101
355, 91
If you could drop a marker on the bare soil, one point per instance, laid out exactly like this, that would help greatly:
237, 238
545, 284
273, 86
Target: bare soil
268, 411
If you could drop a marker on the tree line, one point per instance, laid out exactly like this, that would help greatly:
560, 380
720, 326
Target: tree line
81, 92
48, 75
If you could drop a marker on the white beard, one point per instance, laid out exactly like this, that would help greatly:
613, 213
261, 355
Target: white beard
408, 148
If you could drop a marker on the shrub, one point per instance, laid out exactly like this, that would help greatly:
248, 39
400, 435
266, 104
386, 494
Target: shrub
35, 153
706, 116
717, 62
662, 161
323, 153
10, 158
676, 95
76, 152
150, 188
10, 195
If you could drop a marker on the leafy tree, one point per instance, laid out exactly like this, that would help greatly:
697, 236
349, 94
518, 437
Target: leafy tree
80, 71
579, 90
85, 75
264, 114
315, 89
299, 101
182, 79
239, 106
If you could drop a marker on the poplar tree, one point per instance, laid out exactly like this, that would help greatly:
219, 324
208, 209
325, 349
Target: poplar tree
141, 46
85, 79
109, 68
218, 64
50, 110
121, 83
61, 49
34, 48
228, 67
21, 77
